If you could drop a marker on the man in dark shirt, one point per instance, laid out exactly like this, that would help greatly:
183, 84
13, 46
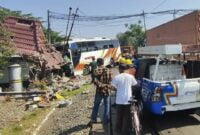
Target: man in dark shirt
102, 81
93, 66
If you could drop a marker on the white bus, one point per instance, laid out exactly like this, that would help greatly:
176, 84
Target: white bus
81, 52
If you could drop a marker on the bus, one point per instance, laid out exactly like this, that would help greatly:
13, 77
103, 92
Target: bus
81, 51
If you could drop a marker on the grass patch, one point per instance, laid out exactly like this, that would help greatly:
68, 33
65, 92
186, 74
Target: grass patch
68, 94
27, 124
30, 121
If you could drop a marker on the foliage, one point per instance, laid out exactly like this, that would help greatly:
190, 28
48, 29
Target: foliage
41, 85
6, 45
55, 36
4, 12
28, 124
134, 36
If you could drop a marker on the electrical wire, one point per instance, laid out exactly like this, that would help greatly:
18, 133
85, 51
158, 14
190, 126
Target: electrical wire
85, 18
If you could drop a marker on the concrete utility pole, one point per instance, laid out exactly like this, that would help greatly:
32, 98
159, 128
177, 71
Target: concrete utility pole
144, 20
70, 9
145, 29
69, 16
174, 14
68, 36
48, 27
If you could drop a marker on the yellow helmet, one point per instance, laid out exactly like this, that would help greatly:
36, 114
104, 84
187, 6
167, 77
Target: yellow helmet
122, 60
128, 62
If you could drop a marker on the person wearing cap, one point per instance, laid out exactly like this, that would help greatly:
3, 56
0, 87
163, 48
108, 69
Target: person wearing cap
123, 84
132, 69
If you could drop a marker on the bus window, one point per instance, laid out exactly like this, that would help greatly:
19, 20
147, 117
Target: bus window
95, 48
90, 46
105, 47
82, 46
111, 46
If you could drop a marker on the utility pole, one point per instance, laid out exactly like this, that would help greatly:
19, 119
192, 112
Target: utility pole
174, 14
68, 36
70, 9
144, 20
75, 15
69, 16
48, 27
145, 29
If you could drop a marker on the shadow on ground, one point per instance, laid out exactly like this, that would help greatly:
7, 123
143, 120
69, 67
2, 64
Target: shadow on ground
74, 129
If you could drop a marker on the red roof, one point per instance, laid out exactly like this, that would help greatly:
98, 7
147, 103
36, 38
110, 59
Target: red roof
29, 40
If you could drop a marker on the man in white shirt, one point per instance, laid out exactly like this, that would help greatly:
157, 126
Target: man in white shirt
123, 84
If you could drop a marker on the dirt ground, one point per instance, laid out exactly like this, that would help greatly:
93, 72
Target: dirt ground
71, 120
11, 112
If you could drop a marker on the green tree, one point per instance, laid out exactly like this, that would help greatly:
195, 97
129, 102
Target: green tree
6, 46
55, 36
4, 12
134, 36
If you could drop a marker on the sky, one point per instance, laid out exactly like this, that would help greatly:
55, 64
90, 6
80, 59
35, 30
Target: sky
38, 8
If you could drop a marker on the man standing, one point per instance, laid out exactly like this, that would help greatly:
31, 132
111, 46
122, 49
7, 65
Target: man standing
93, 66
102, 79
123, 84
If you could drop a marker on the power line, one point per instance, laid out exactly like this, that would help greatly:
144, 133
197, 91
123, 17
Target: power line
56, 15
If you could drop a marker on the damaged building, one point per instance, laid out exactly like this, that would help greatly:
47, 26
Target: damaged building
32, 51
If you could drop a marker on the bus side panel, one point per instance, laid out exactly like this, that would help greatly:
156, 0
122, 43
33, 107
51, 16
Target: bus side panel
106, 54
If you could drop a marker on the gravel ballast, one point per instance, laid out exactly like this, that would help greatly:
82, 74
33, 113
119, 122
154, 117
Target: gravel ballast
73, 119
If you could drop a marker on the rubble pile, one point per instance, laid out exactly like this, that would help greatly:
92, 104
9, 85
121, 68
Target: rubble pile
66, 83
30, 99
54, 86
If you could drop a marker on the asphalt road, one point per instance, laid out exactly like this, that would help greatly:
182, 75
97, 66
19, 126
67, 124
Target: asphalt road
176, 123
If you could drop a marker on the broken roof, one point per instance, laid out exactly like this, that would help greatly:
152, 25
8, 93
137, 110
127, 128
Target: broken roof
29, 40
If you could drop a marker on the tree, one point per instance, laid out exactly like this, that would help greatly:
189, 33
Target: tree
134, 36
6, 46
4, 12
55, 37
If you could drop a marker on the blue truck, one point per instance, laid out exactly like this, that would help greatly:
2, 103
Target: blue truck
167, 82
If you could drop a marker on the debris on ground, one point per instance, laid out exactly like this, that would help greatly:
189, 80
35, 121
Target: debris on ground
64, 103
40, 94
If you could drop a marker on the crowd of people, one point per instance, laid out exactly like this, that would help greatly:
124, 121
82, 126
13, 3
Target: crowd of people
122, 84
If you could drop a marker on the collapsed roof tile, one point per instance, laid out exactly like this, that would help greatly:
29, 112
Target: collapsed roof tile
29, 40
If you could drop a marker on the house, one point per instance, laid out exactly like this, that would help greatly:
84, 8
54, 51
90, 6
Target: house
30, 42
31, 45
